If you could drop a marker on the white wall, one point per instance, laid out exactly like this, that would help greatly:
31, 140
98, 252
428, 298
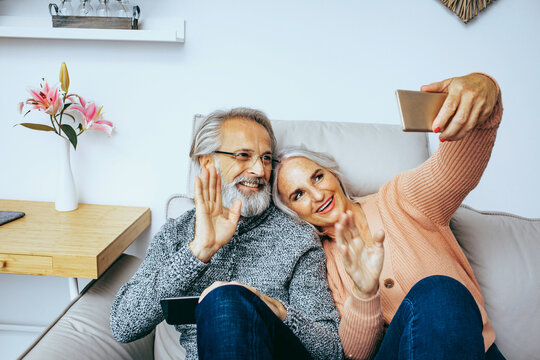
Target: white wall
319, 60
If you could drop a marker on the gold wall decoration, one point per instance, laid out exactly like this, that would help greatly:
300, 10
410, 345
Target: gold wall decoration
466, 9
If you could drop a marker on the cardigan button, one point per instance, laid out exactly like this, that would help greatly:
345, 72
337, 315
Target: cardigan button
388, 283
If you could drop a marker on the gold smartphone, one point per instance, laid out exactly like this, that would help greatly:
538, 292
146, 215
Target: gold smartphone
418, 109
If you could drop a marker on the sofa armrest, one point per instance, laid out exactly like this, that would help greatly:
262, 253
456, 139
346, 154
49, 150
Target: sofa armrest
177, 204
83, 328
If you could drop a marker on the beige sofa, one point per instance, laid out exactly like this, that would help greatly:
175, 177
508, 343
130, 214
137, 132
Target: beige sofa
504, 251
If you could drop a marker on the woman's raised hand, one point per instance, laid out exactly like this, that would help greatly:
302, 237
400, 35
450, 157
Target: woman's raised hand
469, 103
214, 225
362, 262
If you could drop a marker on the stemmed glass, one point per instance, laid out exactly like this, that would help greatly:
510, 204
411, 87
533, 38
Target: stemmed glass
103, 8
116, 8
128, 7
85, 9
65, 8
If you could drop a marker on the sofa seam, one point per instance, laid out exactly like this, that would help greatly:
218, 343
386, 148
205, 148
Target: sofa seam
500, 213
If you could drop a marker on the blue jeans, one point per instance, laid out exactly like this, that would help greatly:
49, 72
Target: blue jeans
438, 319
234, 323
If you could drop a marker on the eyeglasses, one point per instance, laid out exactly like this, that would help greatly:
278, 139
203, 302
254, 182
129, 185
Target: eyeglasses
249, 159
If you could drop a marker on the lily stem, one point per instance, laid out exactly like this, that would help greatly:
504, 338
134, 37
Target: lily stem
54, 127
57, 123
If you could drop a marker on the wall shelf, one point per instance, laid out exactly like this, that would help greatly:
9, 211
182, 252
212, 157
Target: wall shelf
157, 30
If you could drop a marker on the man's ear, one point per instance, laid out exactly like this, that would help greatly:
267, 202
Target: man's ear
206, 160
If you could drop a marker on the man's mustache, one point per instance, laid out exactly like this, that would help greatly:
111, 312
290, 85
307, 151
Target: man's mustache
258, 180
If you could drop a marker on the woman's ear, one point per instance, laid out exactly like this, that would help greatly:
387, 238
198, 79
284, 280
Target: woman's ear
206, 160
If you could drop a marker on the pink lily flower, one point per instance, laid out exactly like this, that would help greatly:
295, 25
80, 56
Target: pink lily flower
92, 116
47, 99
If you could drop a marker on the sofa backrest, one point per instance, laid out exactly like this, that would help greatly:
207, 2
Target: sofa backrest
368, 154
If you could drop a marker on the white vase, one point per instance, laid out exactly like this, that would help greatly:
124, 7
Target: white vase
66, 193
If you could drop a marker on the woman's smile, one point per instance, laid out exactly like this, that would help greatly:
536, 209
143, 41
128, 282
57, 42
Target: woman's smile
327, 206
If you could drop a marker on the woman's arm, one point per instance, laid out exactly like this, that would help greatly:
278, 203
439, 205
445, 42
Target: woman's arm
354, 269
468, 124
361, 327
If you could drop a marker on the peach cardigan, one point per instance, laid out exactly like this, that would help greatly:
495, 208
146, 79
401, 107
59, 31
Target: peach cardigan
414, 209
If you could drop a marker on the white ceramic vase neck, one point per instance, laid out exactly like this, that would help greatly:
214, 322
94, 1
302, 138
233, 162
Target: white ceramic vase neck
66, 193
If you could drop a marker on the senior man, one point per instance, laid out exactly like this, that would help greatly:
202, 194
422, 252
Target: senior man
261, 275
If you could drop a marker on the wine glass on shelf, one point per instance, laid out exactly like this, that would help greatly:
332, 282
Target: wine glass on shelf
116, 9
128, 7
85, 9
65, 8
103, 8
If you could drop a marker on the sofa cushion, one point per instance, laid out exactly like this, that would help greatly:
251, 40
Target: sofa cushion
85, 324
167, 343
504, 252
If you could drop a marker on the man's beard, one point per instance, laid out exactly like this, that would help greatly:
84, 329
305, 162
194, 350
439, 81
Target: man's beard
252, 204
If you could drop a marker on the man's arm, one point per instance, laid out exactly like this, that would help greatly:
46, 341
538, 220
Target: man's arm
168, 269
174, 260
311, 313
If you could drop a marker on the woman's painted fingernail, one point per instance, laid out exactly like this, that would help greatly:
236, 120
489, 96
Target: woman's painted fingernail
442, 140
437, 129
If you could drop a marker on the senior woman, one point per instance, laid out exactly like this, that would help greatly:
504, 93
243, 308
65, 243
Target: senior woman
401, 282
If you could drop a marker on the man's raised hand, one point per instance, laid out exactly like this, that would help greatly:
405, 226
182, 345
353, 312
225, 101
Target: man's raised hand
214, 224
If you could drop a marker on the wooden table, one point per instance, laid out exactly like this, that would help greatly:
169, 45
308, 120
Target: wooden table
77, 244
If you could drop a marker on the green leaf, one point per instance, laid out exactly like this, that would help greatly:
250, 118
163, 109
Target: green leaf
39, 127
26, 113
70, 133
66, 106
80, 127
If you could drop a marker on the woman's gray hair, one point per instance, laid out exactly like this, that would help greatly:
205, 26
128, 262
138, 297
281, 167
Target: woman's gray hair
323, 159
207, 138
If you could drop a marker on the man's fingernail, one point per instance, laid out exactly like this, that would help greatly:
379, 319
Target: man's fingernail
437, 129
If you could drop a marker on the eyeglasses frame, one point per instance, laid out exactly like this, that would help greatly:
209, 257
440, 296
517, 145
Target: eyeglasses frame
235, 155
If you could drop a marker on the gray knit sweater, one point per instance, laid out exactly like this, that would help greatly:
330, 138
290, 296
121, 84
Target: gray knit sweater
270, 252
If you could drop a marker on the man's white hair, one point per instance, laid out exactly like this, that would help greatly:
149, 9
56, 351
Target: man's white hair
207, 138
